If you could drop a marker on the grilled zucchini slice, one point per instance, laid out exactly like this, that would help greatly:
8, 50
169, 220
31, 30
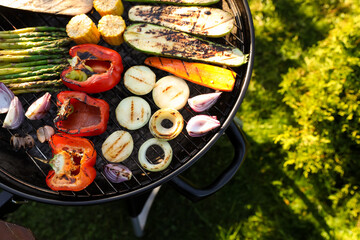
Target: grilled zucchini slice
210, 22
163, 41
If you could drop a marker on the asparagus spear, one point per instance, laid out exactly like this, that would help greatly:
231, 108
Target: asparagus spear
35, 84
33, 63
30, 39
6, 71
32, 34
56, 69
35, 51
34, 29
24, 58
36, 90
22, 45
45, 76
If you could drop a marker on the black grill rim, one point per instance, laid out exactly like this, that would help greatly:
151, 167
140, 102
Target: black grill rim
12, 185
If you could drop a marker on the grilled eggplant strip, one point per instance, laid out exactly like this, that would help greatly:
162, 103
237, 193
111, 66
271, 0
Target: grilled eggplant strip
210, 22
158, 40
180, 2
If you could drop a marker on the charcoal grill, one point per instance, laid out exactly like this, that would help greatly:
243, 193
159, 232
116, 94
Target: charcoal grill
24, 176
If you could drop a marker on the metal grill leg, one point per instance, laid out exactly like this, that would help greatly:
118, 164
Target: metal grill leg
139, 208
8, 203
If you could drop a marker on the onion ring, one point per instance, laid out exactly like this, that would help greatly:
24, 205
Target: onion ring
157, 130
163, 163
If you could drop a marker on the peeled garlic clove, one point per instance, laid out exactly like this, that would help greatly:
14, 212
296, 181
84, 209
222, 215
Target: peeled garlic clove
201, 124
15, 115
203, 102
6, 95
39, 108
44, 133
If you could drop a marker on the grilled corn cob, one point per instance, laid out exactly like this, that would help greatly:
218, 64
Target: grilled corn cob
111, 28
81, 29
105, 7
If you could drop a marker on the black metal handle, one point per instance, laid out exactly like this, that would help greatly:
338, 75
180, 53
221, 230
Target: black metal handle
238, 140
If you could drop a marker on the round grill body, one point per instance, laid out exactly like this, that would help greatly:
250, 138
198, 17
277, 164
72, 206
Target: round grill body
23, 175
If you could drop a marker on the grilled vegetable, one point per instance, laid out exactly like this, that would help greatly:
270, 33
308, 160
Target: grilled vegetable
117, 173
73, 163
106, 7
203, 102
158, 40
94, 69
39, 108
44, 133
6, 95
139, 80
160, 163
118, 146
210, 76
179, 2
167, 133
171, 92
15, 116
200, 125
26, 142
211, 22
133, 113
80, 114
111, 29
82, 29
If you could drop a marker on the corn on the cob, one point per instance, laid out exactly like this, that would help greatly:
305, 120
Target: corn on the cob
81, 29
112, 28
106, 7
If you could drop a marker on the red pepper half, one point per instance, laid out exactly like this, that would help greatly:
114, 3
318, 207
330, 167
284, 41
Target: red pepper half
80, 114
73, 163
93, 69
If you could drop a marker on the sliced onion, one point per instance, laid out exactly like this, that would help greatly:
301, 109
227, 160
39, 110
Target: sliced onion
117, 173
155, 123
201, 124
162, 163
39, 108
203, 102
6, 95
15, 115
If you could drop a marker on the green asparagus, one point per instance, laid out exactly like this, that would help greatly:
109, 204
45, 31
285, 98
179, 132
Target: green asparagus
35, 29
45, 76
33, 63
29, 44
35, 51
32, 34
56, 69
6, 71
25, 58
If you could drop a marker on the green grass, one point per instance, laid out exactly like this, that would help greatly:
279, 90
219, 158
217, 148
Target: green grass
270, 197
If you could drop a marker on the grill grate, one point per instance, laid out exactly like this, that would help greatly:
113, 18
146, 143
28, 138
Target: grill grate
28, 174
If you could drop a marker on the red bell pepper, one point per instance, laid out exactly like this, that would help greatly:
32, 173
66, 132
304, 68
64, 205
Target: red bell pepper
73, 163
93, 69
80, 114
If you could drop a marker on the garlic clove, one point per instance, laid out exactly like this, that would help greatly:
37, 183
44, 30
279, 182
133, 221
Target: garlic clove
39, 108
203, 102
44, 133
200, 125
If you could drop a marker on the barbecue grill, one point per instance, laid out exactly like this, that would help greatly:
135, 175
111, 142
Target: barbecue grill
21, 175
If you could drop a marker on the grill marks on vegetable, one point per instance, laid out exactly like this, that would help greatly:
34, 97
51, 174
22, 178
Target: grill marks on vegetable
115, 149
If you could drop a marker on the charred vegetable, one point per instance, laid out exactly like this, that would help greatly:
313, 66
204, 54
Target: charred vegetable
206, 75
158, 40
211, 22
179, 2
117, 173
18, 142
118, 146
